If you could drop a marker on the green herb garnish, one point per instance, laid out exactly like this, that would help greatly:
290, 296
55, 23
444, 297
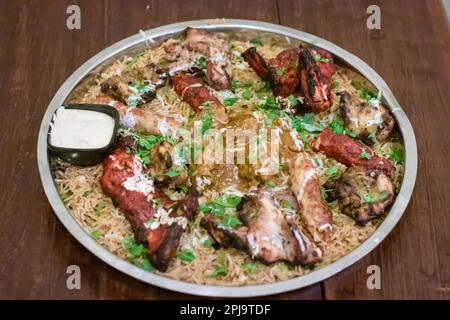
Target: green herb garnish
256, 42
95, 234
398, 155
332, 172
292, 100
201, 62
230, 101
280, 71
186, 255
365, 155
250, 267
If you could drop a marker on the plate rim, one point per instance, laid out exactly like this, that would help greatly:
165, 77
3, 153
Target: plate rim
77, 231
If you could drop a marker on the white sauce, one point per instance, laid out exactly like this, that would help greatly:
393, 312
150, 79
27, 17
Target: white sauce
81, 129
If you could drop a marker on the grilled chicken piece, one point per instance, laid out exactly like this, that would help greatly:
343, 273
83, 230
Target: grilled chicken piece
136, 195
217, 51
144, 121
272, 236
325, 62
350, 152
281, 70
161, 163
135, 87
368, 122
188, 207
257, 63
313, 209
364, 194
192, 90
225, 237
284, 72
314, 87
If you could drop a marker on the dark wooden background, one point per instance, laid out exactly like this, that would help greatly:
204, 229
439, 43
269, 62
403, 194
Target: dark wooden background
38, 52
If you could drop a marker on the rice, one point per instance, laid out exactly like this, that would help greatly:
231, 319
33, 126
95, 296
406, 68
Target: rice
80, 189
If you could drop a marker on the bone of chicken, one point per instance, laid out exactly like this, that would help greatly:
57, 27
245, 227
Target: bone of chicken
306, 187
350, 152
193, 91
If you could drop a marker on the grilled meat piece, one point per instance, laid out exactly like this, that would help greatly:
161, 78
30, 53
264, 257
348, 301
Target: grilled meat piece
188, 207
350, 152
257, 63
314, 87
136, 196
368, 122
284, 72
216, 50
143, 120
325, 62
225, 237
135, 87
161, 163
272, 236
192, 90
281, 70
364, 194
306, 187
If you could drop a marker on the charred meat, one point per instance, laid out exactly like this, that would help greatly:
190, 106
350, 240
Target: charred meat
364, 194
350, 152
148, 210
313, 209
257, 63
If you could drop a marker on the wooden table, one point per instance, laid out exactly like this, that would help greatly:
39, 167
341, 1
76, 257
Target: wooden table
38, 52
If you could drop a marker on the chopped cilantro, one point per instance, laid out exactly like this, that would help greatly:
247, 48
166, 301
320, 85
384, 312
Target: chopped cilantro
280, 72
383, 195
95, 234
208, 242
207, 122
174, 173
256, 42
186, 255
398, 155
246, 94
146, 265
234, 86
100, 207
230, 101
292, 100
306, 123
332, 172
231, 221
286, 204
270, 184
85, 194
365, 155
201, 62
250, 267
337, 126
221, 269
370, 198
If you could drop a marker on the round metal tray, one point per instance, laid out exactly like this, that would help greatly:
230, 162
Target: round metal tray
155, 36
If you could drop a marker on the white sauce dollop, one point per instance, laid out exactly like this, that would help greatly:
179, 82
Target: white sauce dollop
81, 129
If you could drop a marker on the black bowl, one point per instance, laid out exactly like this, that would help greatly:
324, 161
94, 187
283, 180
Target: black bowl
87, 157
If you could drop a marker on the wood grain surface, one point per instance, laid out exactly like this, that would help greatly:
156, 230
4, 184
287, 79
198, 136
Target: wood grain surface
38, 52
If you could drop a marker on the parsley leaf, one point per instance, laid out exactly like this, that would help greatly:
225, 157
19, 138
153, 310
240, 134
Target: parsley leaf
234, 86
95, 234
256, 42
292, 100
246, 94
306, 123
250, 267
370, 198
207, 122
174, 173
230, 101
280, 72
85, 194
186, 255
231, 221
398, 155
286, 204
332, 172
365, 155
337, 126
221, 269
201, 62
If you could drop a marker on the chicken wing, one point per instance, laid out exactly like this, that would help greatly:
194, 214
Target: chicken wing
148, 210
350, 152
364, 194
306, 187
370, 123
257, 63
